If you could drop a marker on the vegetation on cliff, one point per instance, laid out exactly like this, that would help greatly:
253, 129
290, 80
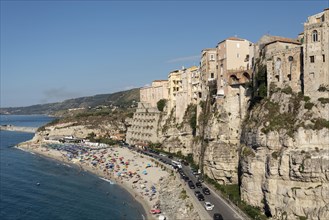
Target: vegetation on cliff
95, 118
123, 99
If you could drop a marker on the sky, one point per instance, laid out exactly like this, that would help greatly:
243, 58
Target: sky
56, 50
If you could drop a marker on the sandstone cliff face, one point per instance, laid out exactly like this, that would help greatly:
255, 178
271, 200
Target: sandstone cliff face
221, 156
175, 136
173, 206
285, 161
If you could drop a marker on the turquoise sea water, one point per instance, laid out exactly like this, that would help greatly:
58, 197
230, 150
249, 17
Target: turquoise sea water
64, 192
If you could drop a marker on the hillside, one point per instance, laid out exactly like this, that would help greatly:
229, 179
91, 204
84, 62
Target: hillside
121, 99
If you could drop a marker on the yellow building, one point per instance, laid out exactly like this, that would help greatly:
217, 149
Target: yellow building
208, 73
174, 86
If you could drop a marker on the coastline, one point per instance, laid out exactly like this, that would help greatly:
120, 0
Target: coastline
18, 128
31, 147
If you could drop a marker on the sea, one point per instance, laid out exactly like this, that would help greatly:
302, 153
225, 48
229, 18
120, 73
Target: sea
35, 187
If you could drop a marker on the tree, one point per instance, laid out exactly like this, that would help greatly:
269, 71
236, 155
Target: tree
161, 104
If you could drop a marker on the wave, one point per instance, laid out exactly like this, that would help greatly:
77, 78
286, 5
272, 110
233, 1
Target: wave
22, 149
107, 180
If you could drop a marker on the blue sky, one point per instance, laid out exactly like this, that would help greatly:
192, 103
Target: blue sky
56, 50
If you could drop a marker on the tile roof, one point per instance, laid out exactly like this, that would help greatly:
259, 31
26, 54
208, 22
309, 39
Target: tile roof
282, 39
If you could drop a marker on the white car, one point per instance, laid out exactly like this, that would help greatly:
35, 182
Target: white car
208, 206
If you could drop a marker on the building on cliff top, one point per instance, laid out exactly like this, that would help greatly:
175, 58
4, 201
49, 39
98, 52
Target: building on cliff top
299, 64
152, 94
232, 56
316, 55
284, 63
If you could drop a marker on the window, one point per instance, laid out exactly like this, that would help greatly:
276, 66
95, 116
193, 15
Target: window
212, 75
287, 47
315, 36
312, 59
323, 58
238, 45
211, 57
238, 55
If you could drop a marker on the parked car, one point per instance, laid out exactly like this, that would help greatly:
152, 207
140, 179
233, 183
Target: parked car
198, 184
208, 206
201, 197
218, 216
195, 172
196, 193
191, 184
206, 191
186, 178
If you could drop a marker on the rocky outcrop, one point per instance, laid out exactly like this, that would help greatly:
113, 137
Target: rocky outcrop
173, 206
285, 158
79, 129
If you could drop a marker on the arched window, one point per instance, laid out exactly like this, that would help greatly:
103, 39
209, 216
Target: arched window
246, 76
233, 79
315, 36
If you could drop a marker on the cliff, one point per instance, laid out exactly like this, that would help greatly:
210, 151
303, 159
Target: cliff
284, 158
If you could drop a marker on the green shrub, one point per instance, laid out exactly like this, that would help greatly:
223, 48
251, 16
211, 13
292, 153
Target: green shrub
247, 151
287, 90
307, 98
275, 155
183, 195
321, 123
161, 104
323, 88
302, 217
262, 90
308, 105
323, 100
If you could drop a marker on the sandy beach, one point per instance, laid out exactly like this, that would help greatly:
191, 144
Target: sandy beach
138, 174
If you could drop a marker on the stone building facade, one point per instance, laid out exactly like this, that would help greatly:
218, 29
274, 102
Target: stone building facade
152, 94
284, 66
144, 125
190, 87
316, 55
